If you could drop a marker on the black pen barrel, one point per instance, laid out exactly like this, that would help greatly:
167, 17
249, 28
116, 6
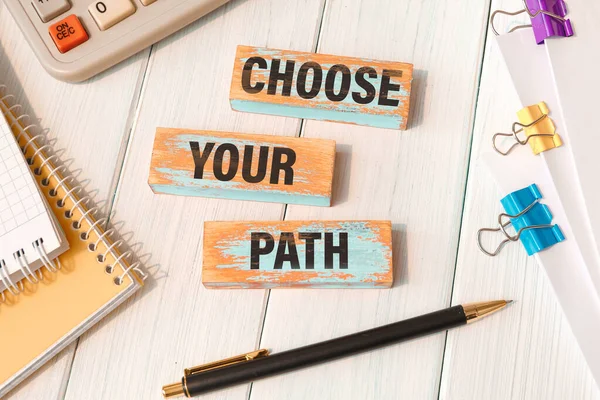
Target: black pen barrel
325, 351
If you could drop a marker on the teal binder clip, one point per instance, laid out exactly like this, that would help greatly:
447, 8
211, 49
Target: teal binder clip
530, 219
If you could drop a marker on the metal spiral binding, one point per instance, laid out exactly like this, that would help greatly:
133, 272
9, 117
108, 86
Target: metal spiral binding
38, 245
21, 258
35, 142
8, 283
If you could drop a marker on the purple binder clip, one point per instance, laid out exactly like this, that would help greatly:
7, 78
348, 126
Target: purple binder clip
547, 19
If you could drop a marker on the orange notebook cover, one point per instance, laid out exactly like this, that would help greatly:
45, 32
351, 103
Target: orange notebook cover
91, 279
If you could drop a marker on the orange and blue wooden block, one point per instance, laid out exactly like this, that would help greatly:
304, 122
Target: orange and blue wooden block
321, 87
242, 166
307, 254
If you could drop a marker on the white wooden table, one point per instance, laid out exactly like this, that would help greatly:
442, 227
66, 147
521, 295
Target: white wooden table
426, 180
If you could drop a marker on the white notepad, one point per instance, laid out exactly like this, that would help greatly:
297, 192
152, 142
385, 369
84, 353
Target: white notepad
554, 73
532, 77
575, 63
563, 262
29, 235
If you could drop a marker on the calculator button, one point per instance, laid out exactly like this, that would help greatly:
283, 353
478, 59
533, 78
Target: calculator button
68, 33
107, 13
50, 9
147, 2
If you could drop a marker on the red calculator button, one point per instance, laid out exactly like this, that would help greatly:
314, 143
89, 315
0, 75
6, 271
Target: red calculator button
68, 33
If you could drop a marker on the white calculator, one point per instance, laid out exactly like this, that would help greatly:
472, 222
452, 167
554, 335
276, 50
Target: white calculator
77, 39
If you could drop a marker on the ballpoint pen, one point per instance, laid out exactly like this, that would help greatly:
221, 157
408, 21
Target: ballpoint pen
259, 364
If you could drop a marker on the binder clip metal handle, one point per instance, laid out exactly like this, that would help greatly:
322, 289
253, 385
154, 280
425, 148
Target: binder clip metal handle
515, 133
502, 228
527, 10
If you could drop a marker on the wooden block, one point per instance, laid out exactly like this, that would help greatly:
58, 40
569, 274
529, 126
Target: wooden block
322, 87
311, 254
242, 166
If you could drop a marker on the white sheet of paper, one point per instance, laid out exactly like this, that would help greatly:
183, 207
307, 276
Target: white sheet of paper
562, 262
575, 63
530, 71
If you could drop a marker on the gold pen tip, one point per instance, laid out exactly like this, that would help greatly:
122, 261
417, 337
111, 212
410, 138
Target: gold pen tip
476, 311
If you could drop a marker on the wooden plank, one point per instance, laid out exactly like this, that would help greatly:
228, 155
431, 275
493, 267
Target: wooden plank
528, 350
416, 179
175, 322
320, 86
242, 166
86, 124
311, 254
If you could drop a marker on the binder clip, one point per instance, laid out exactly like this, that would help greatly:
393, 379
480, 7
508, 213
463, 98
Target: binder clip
530, 219
539, 128
547, 19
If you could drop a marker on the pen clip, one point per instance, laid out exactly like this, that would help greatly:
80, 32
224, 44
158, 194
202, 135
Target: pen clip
226, 362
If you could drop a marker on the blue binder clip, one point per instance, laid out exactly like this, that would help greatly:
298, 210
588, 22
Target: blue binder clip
530, 219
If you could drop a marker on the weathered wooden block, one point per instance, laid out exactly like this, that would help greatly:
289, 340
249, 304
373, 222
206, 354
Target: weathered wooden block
242, 166
313, 254
321, 87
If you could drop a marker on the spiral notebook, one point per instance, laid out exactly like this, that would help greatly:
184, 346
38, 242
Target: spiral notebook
30, 236
48, 308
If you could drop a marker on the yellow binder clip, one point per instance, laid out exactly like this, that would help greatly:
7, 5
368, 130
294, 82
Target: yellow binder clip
539, 130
